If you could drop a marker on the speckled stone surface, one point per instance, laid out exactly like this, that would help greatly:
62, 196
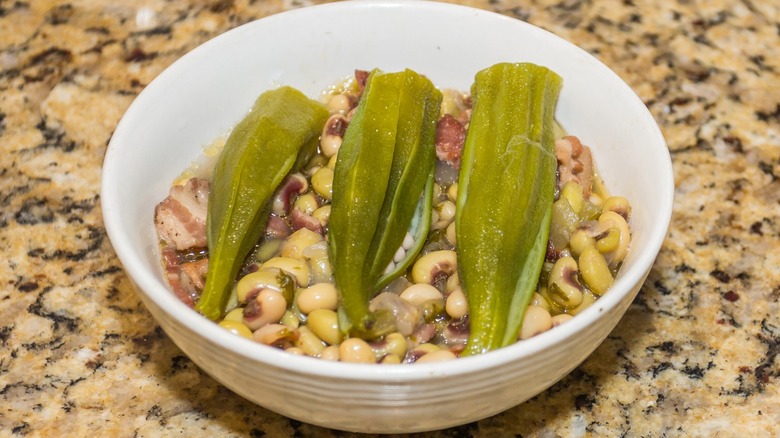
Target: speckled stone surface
697, 354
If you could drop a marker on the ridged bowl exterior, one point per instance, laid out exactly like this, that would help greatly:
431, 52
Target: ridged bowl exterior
201, 96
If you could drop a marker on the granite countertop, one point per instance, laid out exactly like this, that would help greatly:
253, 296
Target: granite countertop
697, 354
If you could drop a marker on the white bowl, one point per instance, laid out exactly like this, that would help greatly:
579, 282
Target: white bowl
201, 96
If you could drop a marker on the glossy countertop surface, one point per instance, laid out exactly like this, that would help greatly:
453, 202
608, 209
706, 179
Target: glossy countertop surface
697, 354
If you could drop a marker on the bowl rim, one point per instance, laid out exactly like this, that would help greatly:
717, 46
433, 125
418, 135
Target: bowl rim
162, 297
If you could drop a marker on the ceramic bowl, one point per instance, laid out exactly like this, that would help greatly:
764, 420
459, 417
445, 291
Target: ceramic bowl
205, 93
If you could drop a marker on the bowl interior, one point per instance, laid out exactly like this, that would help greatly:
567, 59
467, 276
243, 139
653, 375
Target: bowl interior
203, 95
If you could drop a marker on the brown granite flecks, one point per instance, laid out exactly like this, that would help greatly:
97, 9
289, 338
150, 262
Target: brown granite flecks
697, 354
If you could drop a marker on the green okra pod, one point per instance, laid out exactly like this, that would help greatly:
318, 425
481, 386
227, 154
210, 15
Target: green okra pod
505, 194
384, 165
278, 136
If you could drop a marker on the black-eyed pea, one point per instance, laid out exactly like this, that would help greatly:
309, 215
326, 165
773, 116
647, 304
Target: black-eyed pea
453, 282
356, 350
392, 344
253, 282
273, 334
436, 356
268, 307
236, 327
595, 271
619, 205
424, 349
317, 296
536, 320
236, 314
452, 191
457, 306
309, 343
446, 211
560, 319
295, 184
339, 103
451, 234
331, 352
325, 324
572, 192
332, 134
306, 203
608, 220
579, 240
390, 359
563, 287
295, 350
429, 267
435, 220
319, 263
609, 241
396, 344
322, 182
588, 298
540, 301
322, 214
290, 320
421, 293
297, 268
332, 162
301, 239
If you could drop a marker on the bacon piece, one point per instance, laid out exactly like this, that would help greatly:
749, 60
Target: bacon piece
180, 218
196, 272
181, 284
450, 136
361, 76
575, 163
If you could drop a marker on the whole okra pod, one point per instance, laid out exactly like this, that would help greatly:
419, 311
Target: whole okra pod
385, 165
279, 135
505, 194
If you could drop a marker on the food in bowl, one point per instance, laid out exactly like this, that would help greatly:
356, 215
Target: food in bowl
341, 221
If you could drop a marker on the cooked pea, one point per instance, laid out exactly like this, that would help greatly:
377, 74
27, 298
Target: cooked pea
436, 356
237, 328
339, 103
390, 359
330, 352
537, 320
322, 214
595, 271
322, 181
325, 324
307, 203
317, 296
457, 306
420, 293
236, 314
580, 240
309, 343
269, 307
560, 319
356, 350
298, 241
563, 287
618, 204
297, 268
609, 242
572, 192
